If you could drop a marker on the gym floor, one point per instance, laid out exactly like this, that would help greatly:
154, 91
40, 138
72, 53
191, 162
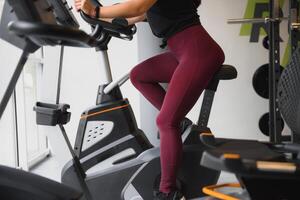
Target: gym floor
51, 168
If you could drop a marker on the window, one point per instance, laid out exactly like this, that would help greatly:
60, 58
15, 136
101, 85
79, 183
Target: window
33, 144
8, 136
22, 143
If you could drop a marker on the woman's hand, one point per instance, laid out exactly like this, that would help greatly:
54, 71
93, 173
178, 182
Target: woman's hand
127, 9
134, 20
86, 6
131, 21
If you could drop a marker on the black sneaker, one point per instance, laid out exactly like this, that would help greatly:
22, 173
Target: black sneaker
156, 184
175, 195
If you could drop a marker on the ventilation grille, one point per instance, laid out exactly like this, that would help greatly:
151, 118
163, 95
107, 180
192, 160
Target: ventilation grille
96, 131
289, 93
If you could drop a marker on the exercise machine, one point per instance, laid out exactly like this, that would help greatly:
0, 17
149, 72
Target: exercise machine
16, 184
265, 170
108, 129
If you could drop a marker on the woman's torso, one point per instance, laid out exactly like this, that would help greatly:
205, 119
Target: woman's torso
167, 17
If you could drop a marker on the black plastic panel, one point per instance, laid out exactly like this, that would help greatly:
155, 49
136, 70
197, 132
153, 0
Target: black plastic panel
63, 13
20, 185
22, 43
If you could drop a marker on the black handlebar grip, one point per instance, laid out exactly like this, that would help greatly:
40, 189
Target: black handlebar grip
120, 22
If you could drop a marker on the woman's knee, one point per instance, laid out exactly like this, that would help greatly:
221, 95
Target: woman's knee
135, 75
164, 121
161, 121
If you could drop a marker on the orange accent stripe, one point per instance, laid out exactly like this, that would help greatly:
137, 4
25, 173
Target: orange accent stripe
103, 111
276, 166
206, 134
210, 190
231, 156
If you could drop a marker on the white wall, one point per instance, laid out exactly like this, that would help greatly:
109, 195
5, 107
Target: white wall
237, 107
148, 46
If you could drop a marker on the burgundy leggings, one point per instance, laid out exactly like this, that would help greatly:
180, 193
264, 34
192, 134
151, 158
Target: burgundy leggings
188, 66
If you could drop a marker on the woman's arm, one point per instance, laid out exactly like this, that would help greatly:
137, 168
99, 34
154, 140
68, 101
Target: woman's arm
134, 20
128, 9
131, 21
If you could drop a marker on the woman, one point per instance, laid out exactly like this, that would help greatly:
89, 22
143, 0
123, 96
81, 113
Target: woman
192, 59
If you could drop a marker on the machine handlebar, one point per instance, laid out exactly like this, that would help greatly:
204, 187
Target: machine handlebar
49, 34
118, 28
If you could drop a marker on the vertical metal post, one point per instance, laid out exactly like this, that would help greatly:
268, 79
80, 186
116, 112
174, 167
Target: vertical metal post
293, 18
14, 95
61, 60
274, 70
107, 69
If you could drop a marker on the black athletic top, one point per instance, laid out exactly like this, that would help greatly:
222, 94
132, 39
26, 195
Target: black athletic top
167, 17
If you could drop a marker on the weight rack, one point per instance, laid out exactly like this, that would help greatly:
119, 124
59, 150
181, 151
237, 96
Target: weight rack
273, 22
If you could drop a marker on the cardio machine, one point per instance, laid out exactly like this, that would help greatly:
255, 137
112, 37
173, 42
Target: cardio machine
109, 129
264, 170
